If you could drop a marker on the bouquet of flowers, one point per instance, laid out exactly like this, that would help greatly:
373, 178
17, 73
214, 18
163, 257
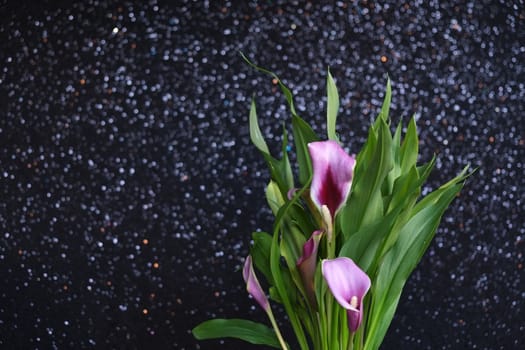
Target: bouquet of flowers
347, 234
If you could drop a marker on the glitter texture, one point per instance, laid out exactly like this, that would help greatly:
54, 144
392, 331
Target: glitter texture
130, 189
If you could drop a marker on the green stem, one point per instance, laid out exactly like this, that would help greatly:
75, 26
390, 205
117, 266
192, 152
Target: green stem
323, 326
316, 329
318, 343
350, 342
360, 333
344, 331
277, 330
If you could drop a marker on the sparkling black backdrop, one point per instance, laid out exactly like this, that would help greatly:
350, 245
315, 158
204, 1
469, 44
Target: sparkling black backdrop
129, 188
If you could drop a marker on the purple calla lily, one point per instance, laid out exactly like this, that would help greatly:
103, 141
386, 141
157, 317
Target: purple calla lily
307, 264
333, 170
349, 285
252, 284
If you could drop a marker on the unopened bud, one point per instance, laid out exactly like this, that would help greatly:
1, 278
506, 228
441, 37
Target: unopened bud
327, 221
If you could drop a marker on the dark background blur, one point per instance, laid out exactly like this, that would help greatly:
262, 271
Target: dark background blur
129, 188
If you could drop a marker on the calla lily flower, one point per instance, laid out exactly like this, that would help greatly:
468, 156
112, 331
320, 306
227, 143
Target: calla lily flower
307, 265
252, 285
333, 170
349, 285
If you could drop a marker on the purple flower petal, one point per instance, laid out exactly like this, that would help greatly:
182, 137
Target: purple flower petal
310, 248
333, 170
307, 265
349, 285
252, 284
291, 192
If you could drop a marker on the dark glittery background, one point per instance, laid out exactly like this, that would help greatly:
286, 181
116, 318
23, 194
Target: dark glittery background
129, 187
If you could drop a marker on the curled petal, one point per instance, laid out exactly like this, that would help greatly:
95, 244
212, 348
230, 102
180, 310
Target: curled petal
307, 265
252, 284
291, 192
310, 248
349, 285
333, 170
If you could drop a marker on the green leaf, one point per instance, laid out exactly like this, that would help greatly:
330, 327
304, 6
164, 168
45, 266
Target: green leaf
425, 169
260, 252
302, 219
274, 295
434, 196
285, 292
385, 108
373, 164
274, 197
332, 107
280, 170
285, 167
396, 169
402, 258
287, 93
255, 131
292, 242
408, 184
303, 135
410, 147
249, 331
363, 245
407, 189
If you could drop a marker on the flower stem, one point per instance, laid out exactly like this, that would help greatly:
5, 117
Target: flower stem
276, 329
350, 343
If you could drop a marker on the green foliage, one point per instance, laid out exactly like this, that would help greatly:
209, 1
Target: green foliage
249, 331
385, 227
399, 261
303, 135
332, 107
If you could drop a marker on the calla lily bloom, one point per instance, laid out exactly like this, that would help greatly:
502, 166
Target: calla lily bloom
252, 284
307, 265
254, 288
349, 285
333, 170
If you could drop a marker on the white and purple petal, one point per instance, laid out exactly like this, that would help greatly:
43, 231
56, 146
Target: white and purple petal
307, 264
253, 286
333, 170
349, 285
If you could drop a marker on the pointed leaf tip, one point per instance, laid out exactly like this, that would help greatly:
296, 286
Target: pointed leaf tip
255, 132
332, 107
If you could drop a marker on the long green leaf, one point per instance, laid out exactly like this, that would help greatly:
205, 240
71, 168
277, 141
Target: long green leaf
385, 108
249, 331
303, 135
363, 245
285, 167
274, 197
255, 131
285, 292
332, 107
410, 147
435, 195
401, 260
373, 164
292, 242
287, 93
260, 252
276, 171
396, 168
